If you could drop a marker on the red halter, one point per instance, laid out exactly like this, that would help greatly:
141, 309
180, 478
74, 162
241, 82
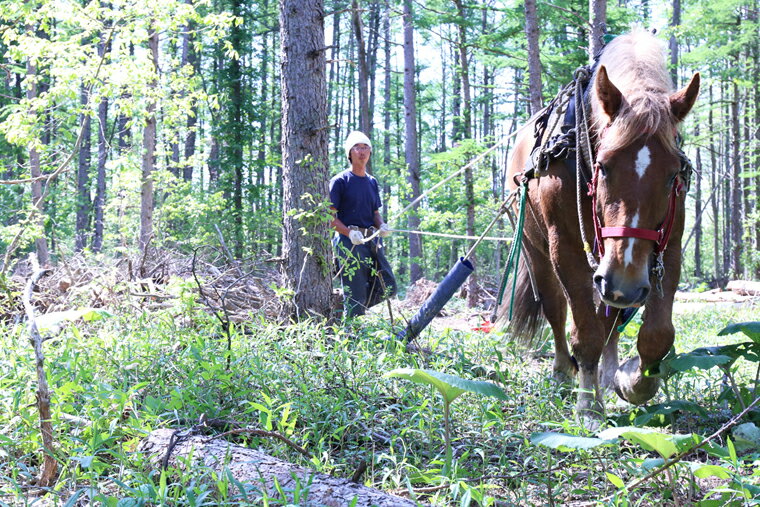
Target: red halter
660, 236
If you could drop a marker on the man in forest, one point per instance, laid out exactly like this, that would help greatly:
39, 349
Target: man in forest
365, 273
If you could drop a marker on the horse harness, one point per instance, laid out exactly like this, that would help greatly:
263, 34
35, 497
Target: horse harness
561, 132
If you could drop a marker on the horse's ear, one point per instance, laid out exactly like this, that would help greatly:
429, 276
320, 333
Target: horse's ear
609, 95
683, 100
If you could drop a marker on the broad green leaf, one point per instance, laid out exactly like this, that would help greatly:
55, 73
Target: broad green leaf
450, 386
615, 480
666, 409
652, 441
650, 464
564, 442
702, 358
617, 432
751, 329
703, 471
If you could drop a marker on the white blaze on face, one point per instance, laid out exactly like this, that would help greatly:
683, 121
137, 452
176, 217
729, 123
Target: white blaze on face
628, 255
643, 159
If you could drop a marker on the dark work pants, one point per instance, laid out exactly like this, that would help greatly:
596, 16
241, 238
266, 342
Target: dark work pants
365, 273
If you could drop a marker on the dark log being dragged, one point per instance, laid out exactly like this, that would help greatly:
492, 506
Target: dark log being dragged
259, 470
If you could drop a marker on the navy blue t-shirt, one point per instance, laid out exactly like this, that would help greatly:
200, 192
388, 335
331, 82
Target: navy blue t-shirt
356, 198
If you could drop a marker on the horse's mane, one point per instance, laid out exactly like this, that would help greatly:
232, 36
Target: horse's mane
635, 63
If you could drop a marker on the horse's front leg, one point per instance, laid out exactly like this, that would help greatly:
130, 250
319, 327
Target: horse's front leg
587, 342
656, 337
586, 334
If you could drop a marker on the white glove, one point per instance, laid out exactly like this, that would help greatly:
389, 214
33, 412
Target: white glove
385, 231
356, 237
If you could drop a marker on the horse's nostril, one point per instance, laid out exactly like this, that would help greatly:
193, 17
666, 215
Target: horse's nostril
600, 283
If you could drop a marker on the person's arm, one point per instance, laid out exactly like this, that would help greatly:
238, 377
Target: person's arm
378, 219
338, 225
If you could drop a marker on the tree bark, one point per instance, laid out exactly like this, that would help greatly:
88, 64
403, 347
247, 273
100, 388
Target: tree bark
83, 176
598, 13
469, 185
149, 148
234, 127
100, 189
190, 57
698, 209
534, 56
252, 467
715, 198
736, 188
40, 242
410, 143
673, 43
356, 22
306, 245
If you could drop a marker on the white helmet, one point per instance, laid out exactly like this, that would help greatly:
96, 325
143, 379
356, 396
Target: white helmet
354, 138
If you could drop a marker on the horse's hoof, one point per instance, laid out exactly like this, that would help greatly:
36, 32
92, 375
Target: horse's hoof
562, 377
590, 412
591, 422
632, 385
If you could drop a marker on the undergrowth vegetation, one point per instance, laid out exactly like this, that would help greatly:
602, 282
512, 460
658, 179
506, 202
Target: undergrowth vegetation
115, 380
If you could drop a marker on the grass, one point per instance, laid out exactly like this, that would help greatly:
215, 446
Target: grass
323, 387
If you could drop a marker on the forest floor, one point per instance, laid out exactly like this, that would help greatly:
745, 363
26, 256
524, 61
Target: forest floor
159, 358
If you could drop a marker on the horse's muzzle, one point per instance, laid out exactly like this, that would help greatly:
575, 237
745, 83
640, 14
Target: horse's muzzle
620, 294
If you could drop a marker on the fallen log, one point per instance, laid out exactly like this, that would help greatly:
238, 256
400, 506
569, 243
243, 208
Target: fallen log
744, 287
260, 470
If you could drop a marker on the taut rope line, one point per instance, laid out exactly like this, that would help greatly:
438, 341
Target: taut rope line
470, 164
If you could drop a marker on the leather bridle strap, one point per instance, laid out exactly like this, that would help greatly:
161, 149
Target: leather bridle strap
661, 236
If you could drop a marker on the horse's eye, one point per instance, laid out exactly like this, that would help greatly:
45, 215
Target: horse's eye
602, 169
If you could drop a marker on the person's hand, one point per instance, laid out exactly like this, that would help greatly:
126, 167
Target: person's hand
356, 237
385, 231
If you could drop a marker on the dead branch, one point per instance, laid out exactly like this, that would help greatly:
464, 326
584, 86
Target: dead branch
49, 470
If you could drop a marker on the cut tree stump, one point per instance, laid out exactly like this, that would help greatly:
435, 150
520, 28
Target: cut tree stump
259, 470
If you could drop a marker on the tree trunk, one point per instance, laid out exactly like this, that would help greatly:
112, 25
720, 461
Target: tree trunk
715, 198
234, 127
698, 209
306, 245
372, 48
356, 22
736, 188
444, 95
264, 98
464, 74
100, 190
83, 176
149, 148
40, 243
598, 13
190, 57
457, 130
264, 472
410, 143
534, 56
673, 43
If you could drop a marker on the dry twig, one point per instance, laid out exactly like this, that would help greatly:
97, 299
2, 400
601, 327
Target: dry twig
49, 470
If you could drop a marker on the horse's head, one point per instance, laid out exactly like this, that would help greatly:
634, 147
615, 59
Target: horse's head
636, 181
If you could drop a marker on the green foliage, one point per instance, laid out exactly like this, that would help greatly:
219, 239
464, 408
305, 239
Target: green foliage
450, 386
113, 380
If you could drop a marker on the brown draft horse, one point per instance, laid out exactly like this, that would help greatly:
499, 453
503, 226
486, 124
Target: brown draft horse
636, 185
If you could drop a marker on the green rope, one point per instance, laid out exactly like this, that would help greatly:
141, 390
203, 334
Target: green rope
622, 326
514, 253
